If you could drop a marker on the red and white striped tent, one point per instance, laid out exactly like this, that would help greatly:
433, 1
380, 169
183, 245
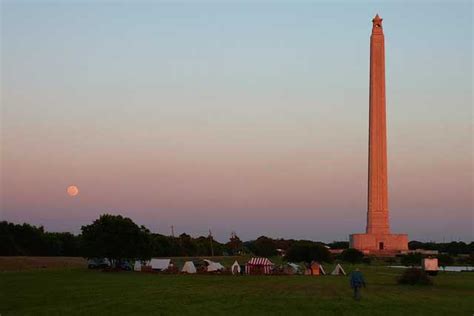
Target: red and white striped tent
259, 266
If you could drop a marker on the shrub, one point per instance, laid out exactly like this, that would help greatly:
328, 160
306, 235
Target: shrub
391, 260
308, 251
412, 259
445, 260
413, 276
466, 259
352, 255
367, 260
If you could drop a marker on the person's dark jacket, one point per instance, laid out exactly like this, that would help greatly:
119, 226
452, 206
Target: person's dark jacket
357, 279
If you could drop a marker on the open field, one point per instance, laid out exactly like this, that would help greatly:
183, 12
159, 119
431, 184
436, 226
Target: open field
81, 291
31, 263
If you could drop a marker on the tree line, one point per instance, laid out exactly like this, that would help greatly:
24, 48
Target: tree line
107, 234
29, 240
119, 238
452, 248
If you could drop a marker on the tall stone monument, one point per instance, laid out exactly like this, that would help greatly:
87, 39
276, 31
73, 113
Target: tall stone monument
378, 238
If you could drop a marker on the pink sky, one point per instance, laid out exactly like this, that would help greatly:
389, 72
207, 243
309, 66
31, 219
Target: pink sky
250, 122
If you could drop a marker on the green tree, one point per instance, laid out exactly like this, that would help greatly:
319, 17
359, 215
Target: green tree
8, 246
470, 259
352, 255
187, 245
339, 245
235, 245
264, 247
308, 251
165, 246
445, 260
116, 238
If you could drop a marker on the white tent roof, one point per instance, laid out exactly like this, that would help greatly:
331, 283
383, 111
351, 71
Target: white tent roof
213, 266
338, 270
235, 266
189, 267
160, 264
294, 266
260, 262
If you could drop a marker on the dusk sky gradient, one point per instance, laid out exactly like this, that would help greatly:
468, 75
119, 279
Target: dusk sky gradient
240, 116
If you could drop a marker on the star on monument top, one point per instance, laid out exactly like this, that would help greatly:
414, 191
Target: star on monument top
377, 20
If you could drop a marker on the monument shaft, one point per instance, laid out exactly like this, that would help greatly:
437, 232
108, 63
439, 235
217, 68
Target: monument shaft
377, 206
377, 238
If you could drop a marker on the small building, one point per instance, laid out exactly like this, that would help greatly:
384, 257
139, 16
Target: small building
430, 265
336, 251
259, 266
424, 252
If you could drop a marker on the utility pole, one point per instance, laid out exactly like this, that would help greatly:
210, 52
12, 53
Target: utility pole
172, 231
210, 240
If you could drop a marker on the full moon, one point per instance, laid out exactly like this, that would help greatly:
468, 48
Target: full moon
72, 190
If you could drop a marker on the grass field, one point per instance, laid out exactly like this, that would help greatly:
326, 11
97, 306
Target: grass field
30, 263
80, 291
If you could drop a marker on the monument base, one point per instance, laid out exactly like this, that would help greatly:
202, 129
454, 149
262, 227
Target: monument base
379, 243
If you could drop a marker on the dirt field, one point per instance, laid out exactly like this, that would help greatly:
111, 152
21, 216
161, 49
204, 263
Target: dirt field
33, 263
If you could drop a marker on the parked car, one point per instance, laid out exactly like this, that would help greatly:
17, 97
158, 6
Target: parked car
124, 265
98, 263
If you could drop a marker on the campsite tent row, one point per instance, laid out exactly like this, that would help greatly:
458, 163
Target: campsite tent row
253, 266
166, 264
313, 269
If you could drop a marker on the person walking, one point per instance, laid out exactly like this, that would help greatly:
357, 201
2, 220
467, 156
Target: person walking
357, 281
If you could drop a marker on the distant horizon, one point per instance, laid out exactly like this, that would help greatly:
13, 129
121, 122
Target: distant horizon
245, 117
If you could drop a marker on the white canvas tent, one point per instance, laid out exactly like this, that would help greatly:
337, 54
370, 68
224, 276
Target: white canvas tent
338, 270
213, 266
235, 269
137, 266
189, 267
291, 268
160, 264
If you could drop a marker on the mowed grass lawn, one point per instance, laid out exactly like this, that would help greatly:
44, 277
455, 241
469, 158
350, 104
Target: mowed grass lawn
82, 291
